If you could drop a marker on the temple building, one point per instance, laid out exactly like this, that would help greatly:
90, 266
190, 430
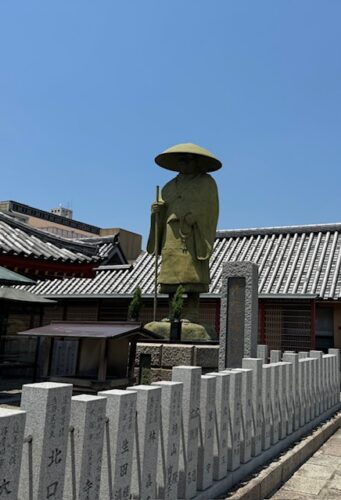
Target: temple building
299, 285
44, 257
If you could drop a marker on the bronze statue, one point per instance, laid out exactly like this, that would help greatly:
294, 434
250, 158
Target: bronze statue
187, 222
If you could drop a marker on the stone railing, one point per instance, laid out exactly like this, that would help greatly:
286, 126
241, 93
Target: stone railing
192, 437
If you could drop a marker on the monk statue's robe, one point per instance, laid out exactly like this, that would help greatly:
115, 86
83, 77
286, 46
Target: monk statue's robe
188, 215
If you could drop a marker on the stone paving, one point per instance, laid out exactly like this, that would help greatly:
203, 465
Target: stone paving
319, 477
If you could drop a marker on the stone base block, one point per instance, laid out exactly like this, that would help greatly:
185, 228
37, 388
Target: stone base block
153, 350
177, 354
155, 375
158, 374
206, 356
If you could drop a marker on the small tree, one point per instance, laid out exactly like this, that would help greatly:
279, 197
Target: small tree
135, 305
177, 303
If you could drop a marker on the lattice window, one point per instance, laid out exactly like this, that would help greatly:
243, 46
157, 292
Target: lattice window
286, 325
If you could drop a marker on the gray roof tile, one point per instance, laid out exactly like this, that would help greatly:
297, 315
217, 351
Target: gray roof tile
294, 260
18, 238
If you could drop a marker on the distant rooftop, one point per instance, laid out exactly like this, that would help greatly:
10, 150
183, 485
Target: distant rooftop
20, 239
21, 208
307, 228
59, 222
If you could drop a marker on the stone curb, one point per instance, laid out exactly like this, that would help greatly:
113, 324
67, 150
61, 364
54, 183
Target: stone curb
278, 472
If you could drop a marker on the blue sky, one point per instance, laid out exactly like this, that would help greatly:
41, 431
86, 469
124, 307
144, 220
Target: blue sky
91, 91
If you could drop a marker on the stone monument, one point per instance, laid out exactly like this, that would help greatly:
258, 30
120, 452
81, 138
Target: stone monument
239, 314
183, 227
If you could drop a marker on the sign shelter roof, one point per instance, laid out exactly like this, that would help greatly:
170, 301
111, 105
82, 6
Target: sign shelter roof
127, 333
94, 330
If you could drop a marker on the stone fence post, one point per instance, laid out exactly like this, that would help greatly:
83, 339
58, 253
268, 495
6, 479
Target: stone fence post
190, 376
256, 367
119, 442
47, 405
222, 422
85, 448
189, 438
12, 425
168, 462
148, 410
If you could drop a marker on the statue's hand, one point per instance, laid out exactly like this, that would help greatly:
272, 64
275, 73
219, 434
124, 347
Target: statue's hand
157, 207
190, 219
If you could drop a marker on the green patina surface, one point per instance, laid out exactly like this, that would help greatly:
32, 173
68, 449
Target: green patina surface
183, 224
189, 331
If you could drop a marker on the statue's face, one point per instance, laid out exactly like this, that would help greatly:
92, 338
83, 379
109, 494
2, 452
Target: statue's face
187, 164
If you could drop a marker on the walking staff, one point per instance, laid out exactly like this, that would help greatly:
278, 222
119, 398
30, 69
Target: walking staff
156, 252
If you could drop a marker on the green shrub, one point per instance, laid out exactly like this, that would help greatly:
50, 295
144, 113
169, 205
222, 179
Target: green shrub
177, 303
135, 305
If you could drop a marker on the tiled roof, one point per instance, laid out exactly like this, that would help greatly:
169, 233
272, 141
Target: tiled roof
104, 245
20, 239
8, 277
294, 260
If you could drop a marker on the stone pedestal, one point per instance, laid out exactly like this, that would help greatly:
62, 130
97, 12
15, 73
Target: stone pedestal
189, 331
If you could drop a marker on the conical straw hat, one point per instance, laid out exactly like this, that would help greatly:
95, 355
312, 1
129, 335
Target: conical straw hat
173, 158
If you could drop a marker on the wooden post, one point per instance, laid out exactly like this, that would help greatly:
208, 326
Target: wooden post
36, 356
131, 360
49, 358
102, 367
